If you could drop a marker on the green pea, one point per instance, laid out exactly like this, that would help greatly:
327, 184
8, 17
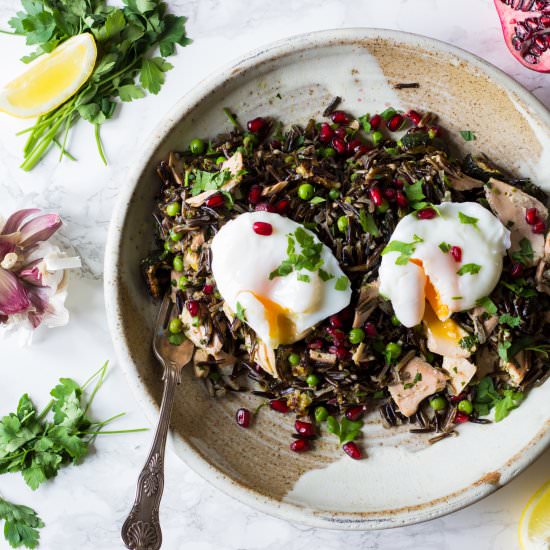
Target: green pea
220, 160
306, 191
438, 403
383, 207
321, 414
328, 152
176, 339
182, 282
175, 325
465, 406
176, 236
395, 321
294, 359
177, 263
343, 223
356, 335
334, 194
197, 146
377, 137
394, 349
173, 209
312, 380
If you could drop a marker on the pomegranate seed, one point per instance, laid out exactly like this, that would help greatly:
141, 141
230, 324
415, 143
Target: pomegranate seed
389, 193
341, 133
336, 321
539, 228
353, 145
317, 343
516, 270
262, 228
279, 405
426, 214
243, 418
339, 117
376, 196
276, 144
339, 145
414, 117
300, 446
340, 351
395, 123
338, 336
355, 413
461, 417
456, 253
399, 182
215, 201
255, 194
361, 150
281, 207
208, 289
325, 133
256, 125
401, 199
304, 428
370, 329
375, 122
352, 450
264, 207
193, 307
457, 398
532, 216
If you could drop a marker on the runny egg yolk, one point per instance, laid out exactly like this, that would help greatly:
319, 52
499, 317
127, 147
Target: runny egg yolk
448, 330
432, 295
281, 327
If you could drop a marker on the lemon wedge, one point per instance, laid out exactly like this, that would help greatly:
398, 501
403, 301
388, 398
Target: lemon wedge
50, 79
534, 525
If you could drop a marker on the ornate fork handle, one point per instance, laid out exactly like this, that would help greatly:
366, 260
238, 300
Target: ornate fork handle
141, 530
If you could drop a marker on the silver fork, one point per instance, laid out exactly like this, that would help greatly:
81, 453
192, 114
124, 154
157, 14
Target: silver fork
141, 530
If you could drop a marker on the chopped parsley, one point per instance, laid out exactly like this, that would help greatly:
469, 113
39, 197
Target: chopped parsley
346, 430
241, 312
520, 288
365, 123
388, 113
324, 275
456, 297
209, 181
503, 348
303, 278
467, 220
416, 379
472, 269
512, 321
468, 342
414, 191
487, 304
317, 200
341, 283
525, 254
368, 225
406, 250
444, 247
467, 135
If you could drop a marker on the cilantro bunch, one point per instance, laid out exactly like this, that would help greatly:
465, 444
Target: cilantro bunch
125, 38
39, 447
21, 524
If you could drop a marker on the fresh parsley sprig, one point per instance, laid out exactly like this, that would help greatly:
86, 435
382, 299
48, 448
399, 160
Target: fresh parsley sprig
21, 525
503, 401
39, 448
406, 250
346, 430
126, 37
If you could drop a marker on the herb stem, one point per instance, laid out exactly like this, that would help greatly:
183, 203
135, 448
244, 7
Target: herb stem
99, 144
110, 432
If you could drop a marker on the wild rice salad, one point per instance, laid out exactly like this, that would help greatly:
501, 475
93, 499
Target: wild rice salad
335, 191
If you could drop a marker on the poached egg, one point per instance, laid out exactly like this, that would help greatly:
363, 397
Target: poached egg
450, 261
280, 309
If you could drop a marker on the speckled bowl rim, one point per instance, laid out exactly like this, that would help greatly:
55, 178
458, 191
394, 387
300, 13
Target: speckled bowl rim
294, 513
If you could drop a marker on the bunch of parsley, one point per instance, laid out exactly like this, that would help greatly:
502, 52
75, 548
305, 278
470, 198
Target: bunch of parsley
125, 38
21, 524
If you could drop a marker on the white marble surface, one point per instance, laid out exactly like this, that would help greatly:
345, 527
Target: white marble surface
84, 507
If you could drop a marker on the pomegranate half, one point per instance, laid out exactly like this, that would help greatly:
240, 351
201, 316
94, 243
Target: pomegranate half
526, 28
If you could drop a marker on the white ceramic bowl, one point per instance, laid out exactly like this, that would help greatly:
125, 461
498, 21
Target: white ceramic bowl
294, 80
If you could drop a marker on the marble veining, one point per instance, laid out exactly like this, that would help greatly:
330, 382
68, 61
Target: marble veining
85, 506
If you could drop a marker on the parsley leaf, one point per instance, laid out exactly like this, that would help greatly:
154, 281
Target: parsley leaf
346, 430
209, 181
472, 269
21, 525
368, 225
416, 379
152, 72
365, 123
520, 288
342, 283
324, 275
467, 135
468, 342
406, 250
503, 348
488, 304
503, 401
467, 220
445, 247
525, 254
510, 320
241, 312
414, 191
510, 400
388, 113
317, 200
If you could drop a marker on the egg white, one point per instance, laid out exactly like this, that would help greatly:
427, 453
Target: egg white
483, 243
241, 264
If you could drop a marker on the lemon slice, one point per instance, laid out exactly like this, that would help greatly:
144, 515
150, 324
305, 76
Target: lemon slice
50, 79
534, 525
